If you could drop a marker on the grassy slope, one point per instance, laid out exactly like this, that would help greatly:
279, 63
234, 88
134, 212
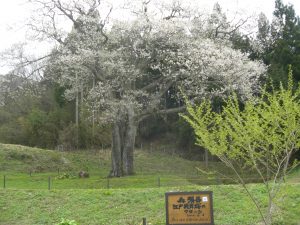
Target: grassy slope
15, 158
29, 204
16, 162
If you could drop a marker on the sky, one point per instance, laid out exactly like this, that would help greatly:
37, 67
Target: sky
14, 13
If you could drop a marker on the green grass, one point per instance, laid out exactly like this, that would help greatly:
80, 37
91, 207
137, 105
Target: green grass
294, 176
26, 200
129, 206
16, 158
29, 168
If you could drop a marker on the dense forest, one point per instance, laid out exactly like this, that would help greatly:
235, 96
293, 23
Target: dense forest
121, 84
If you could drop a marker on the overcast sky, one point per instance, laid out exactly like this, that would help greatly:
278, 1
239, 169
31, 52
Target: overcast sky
13, 14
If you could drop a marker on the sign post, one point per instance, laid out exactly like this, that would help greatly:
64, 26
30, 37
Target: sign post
189, 208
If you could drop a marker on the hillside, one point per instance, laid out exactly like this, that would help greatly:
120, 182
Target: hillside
18, 162
26, 167
22, 159
26, 200
16, 158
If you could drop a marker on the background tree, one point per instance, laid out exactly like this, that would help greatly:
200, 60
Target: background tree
279, 42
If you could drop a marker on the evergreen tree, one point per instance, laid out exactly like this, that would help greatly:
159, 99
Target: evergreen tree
279, 42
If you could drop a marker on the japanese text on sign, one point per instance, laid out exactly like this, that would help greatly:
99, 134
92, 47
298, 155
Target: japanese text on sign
184, 208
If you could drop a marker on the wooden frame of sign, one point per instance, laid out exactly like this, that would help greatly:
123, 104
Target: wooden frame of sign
189, 208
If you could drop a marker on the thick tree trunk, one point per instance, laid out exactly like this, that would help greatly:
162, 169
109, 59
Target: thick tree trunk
123, 141
116, 152
129, 142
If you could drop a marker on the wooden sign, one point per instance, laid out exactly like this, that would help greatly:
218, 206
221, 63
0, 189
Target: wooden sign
185, 208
